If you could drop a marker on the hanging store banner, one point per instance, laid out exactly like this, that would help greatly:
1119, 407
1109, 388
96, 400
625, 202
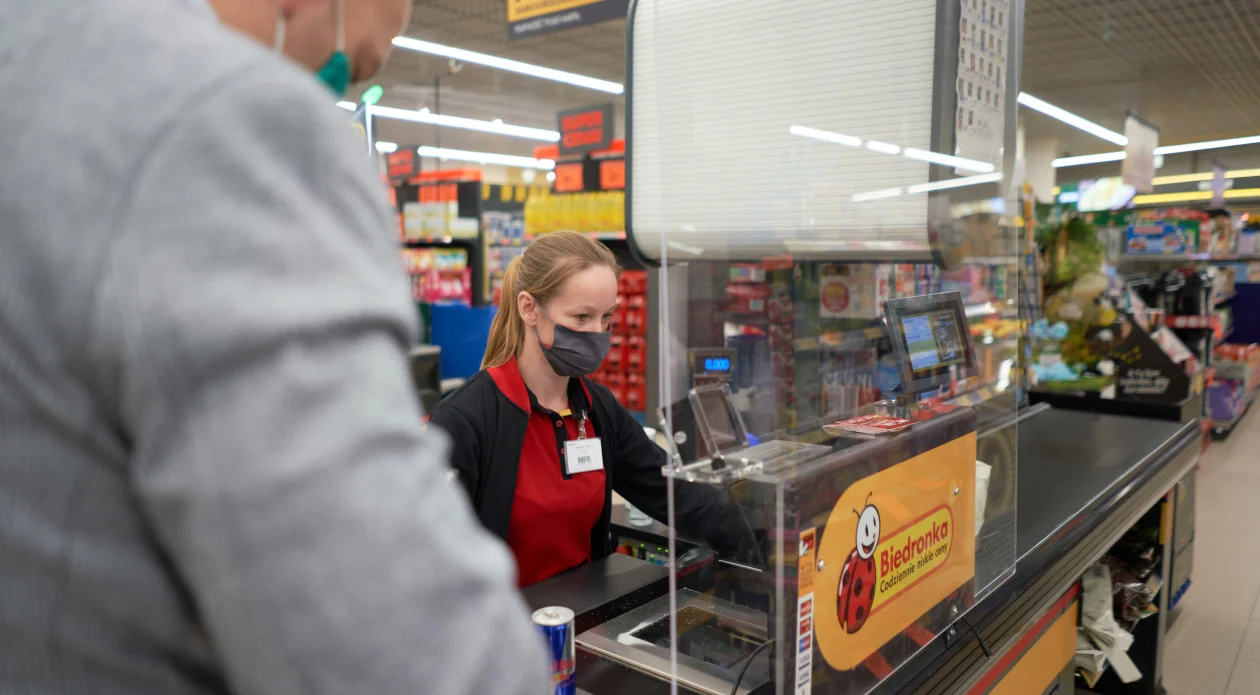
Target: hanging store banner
535, 17
1139, 154
586, 129
1218, 185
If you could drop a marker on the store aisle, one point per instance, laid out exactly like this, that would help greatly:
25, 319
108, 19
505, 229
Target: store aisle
1214, 644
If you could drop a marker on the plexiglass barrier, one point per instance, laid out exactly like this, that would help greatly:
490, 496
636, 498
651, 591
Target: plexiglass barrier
796, 169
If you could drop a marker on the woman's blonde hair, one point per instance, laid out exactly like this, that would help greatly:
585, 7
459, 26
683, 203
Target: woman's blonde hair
546, 264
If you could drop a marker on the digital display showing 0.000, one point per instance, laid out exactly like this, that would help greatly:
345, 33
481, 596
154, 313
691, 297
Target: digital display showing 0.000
717, 364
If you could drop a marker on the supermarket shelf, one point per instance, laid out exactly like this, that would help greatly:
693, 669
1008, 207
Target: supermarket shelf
598, 236
1184, 257
859, 337
442, 241
842, 339
1166, 257
1226, 298
991, 260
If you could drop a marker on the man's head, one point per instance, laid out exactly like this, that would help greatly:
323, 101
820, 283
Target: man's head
310, 28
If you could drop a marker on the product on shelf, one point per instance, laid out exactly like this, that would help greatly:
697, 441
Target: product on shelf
624, 371
439, 275
436, 215
1174, 231
1233, 388
602, 211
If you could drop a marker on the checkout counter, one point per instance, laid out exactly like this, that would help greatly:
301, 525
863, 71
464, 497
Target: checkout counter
1084, 479
848, 268
917, 545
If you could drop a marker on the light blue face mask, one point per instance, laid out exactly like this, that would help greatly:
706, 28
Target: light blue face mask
336, 72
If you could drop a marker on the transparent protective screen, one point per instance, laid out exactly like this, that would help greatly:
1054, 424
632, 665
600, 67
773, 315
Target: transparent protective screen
794, 168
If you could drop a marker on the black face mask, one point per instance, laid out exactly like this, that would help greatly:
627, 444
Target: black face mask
574, 353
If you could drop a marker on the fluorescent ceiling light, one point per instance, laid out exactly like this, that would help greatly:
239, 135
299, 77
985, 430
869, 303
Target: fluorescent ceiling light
486, 158
948, 160
955, 183
1087, 159
348, 105
825, 136
888, 148
509, 65
1210, 145
884, 147
878, 195
386, 147
497, 126
1072, 119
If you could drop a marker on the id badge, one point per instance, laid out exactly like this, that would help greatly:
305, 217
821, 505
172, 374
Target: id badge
583, 456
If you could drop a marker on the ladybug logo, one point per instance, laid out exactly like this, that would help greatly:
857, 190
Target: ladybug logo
856, 592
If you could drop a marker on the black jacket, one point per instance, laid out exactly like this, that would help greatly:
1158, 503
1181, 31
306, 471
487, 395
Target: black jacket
487, 426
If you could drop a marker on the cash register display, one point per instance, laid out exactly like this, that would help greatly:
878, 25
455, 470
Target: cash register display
706, 636
931, 340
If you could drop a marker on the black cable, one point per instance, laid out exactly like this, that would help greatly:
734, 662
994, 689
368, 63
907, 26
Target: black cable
744, 670
765, 576
984, 646
760, 556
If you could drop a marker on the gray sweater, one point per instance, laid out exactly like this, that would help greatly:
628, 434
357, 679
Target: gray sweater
213, 476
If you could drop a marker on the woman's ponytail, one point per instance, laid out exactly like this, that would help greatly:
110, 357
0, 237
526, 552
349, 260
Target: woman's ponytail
507, 331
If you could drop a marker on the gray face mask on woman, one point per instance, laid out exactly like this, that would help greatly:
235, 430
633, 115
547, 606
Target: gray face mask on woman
574, 353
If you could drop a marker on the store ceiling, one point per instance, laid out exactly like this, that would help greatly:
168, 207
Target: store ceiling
1192, 67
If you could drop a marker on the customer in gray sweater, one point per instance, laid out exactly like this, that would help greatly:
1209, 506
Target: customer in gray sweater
213, 477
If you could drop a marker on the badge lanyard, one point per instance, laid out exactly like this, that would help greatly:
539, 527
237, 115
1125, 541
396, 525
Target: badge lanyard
583, 455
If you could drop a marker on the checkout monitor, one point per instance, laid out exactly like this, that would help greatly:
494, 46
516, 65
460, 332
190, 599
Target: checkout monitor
705, 424
931, 339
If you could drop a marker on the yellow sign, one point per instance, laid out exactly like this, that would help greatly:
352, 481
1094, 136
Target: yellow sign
912, 554
528, 9
873, 584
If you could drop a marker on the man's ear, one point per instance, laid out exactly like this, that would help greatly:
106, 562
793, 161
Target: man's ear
528, 308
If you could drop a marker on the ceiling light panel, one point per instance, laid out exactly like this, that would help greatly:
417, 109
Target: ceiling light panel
509, 65
1072, 119
497, 126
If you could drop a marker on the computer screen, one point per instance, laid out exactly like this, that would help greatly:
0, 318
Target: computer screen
931, 340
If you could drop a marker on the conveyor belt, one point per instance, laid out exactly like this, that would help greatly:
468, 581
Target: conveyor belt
1084, 478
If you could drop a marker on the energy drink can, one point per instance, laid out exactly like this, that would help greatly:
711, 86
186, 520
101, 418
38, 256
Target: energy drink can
556, 624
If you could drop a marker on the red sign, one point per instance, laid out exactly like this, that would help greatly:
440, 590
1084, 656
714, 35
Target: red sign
569, 178
402, 164
612, 174
587, 129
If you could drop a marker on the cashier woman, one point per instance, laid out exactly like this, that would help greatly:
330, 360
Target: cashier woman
538, 446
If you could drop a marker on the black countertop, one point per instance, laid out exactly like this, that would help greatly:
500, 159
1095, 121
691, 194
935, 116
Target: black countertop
1075, 469
1071, 462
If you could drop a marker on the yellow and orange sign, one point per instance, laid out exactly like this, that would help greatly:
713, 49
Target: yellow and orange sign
528, 9
874, 583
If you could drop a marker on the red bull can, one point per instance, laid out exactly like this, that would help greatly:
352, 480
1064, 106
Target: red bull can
556, 624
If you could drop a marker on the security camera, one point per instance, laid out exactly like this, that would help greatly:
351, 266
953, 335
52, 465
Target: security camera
454, 66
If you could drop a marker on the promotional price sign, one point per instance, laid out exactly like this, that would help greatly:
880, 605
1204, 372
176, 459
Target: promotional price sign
402, 165
586, 129
896, 544
534, 17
